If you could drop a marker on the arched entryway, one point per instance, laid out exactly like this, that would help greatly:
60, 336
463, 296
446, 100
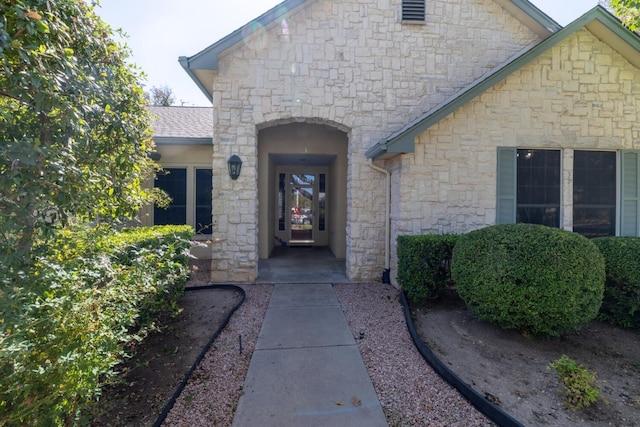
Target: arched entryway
302, 188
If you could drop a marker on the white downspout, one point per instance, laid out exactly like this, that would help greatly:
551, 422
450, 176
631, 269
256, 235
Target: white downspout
387, 213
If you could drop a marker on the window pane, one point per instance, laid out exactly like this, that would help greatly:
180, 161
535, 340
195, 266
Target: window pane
281, 202
594, 193
174, 183
321, 202
538, 187
204, 188
302, 179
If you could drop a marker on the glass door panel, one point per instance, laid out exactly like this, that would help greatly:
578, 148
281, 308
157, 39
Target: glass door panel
302, 209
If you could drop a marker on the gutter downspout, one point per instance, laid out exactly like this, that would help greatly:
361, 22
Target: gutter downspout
387, 213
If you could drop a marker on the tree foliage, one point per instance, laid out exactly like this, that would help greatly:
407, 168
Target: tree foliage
74, 127
628, 11
161, 95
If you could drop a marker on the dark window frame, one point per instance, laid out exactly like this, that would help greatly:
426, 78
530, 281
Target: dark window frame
172, 181
538, 186
190, 206
594, 193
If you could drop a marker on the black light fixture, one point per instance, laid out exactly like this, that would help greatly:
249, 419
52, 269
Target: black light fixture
235, 164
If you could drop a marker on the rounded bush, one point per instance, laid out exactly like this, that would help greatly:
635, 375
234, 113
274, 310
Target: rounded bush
621, 303
540, 280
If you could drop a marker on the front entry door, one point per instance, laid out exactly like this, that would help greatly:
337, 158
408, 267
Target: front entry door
302, 188
302, 210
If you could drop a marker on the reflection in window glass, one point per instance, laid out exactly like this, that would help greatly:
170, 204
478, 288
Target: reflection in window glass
281, 202
594, 193
538, 187
174, 182
302, 179
302, 213
321, 202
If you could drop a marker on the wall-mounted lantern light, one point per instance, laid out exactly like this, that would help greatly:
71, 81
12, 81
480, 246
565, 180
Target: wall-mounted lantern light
235, 164
155, 156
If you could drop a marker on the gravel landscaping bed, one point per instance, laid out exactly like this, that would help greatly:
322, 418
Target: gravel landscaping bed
410, 392
211, 395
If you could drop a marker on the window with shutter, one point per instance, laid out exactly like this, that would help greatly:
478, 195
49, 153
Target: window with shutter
413, 10
529, 183
528, 186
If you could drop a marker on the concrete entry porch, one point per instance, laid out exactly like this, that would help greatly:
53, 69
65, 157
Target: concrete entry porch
302, 265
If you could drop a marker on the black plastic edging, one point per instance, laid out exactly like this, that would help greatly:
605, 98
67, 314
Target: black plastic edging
482, 404
173, 399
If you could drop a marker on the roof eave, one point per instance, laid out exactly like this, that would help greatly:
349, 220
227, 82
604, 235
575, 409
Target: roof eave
186, 64
535, 19
207, 59
181, 140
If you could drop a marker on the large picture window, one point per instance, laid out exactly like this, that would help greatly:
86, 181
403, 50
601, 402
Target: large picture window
606, 190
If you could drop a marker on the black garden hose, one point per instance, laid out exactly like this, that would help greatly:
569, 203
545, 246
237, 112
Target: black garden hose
482, 404
173, 399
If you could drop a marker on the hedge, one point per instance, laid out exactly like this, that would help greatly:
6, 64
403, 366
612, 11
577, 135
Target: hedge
78, 312
424, 265
621, 304
540, 280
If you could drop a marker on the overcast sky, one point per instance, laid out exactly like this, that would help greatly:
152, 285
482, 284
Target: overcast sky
160, 31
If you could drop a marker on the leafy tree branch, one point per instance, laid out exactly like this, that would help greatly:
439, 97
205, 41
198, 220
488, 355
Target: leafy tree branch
74, 123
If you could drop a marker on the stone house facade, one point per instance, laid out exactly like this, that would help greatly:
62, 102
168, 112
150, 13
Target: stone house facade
361, 120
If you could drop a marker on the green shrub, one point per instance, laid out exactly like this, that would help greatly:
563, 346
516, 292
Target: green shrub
89, 297
621, 304
537, 279
424, 264
581, 389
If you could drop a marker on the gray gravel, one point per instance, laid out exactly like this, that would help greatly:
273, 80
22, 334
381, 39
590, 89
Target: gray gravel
411, 393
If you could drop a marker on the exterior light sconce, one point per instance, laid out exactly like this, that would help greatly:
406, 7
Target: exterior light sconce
155, 156
235, 164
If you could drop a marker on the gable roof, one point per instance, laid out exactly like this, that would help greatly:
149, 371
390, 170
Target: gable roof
202, 65
598, 21
186, 125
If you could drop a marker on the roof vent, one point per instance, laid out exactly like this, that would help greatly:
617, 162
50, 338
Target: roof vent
413, 10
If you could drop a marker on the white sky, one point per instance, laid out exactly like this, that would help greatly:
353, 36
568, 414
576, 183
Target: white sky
160, 31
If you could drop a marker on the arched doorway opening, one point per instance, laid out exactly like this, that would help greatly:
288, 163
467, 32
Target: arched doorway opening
302, 182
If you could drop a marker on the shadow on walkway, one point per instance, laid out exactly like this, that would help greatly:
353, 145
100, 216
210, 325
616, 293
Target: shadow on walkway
302, 265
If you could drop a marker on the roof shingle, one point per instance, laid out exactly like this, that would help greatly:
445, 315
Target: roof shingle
182, 122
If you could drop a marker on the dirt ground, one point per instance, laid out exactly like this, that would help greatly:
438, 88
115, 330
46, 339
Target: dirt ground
162, 360
511, 369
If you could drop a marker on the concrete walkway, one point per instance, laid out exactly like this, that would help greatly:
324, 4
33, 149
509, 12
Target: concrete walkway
306, 369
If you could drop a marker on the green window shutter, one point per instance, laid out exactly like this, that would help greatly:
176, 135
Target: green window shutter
629, 193
506, 190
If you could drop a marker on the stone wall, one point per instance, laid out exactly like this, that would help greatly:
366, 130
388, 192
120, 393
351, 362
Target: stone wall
353, 63
580, 94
